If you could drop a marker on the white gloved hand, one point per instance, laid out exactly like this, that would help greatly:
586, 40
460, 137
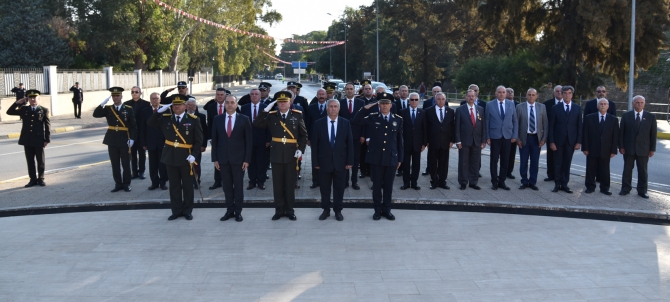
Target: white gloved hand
190, 159
298, 154
191, 98
130, 143
269, 106
164, 108
105, 101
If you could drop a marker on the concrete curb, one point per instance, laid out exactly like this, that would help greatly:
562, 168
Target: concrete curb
663, 135
57, 130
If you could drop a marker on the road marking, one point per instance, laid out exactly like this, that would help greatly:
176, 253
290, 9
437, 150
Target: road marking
56, 171
54, 147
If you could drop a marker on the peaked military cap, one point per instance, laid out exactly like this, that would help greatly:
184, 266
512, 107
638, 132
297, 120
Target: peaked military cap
366, 82
116, 90
291, 83
384, 98
224, 90
395, 89
264, 86
179, 99
181, 84
33, 92
329, 87
282, 96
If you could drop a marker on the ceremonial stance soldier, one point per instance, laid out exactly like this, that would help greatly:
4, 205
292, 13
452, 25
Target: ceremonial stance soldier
35, 134
385, 151
289, 137
120, 136
183, 138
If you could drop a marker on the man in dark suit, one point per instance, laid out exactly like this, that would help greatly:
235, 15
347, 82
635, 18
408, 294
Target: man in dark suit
533, 123
512, 152
431, 102
565, 136
385, 152
138, 156
502, 128
549, 105
192, 108
478, 102
637, 143
231, 153
599, 143
77, 99
470, 136
315, 112
349, 105
400, 103
213, 110
35, 134
152, 141
368, 97
414, 122
332, 155
258, 166
592, 105
439, 137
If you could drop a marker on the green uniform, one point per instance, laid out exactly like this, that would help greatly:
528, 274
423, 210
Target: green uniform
121, 128
34, 133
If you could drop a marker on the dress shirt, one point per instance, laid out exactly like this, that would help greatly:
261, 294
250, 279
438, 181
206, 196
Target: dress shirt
503, 105
569, 106
180, 116
404, 103
254, 107
528, 106
220, 108
330, 134
232, 118
602, 116
437, 112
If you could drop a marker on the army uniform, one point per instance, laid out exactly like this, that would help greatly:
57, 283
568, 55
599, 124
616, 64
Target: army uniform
385, 151
35, 132
121, 129
282, 155
179, 144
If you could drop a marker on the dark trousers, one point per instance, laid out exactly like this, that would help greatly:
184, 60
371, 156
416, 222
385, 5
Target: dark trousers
284, 177
499, 152
137, 152
530, 151
232, 177
629, 161
35, 154
562, 163
217, 178
469, 161
438, 163
550, 163
157, 170
258, 167
411, 165
597, 167
77, 109
512, 157
357, 161
382, 187
120, 158
197, 171
315, 174
181, 189
337, 180
364, 167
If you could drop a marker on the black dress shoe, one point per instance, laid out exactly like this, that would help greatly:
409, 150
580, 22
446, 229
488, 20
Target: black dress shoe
424, 173
479, 175
324, 215
523, 186
338, 216
589, 191
291, 217
548, 179
227, 216
41, 183
313, 186
566, 189
276, 216
238, 217
494, 187
534, 187
608, 193
377, 216
134, 176
250, 187
141, 176
623, 193
164, 187
404, 187
126, 188
173, 217
444, 186
433, 187
346, 185
556, 189
152, 187
299, 177
34, 182
415, 187
503, 186
462, 187
188, 216
117, 188
643, 195
398, 174
355, 187
361, 175
262, 187
510, 176
388, 216
214, 186
476, 187
297, 186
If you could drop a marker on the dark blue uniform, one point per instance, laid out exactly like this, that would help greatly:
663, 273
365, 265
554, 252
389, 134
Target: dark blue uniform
152, 140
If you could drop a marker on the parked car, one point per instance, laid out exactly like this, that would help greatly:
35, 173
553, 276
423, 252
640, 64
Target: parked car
378, 84
339, 91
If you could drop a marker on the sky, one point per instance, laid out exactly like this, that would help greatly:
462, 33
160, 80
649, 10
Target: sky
303, 16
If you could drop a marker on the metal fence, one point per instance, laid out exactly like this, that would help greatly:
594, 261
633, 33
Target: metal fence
32, 78
89, 80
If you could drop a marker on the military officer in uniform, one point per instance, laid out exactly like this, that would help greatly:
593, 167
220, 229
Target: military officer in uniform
385, 151
35, 134
183, 138
294, 87
289, 137
120, 136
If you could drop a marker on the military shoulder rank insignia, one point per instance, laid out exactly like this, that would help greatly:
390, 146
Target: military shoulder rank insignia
167, 114
397, 116
193, 116
128, 106
374, 113
273, 111
296, 110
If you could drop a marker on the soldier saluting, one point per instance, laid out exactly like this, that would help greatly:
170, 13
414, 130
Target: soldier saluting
120, 136
183, 138
35, 134
289, 137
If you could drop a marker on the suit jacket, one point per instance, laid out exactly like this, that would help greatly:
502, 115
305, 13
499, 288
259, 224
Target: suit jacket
205, 128
150, 137
479, 103
439, 135
344, 112
429, 103
592, 107
541, 119
413, 133
113, 137
497, 128
190, 129
549, 104
564, 125
235, 149
312, 114
300, 100
212, 111
398, 104
600, 140
36, 128
638, 140
137, 106
465, 132
329, 158
260, 136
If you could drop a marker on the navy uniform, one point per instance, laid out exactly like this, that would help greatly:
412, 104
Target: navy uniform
299, 100
77, 99
138, 156
246, 99
164, 95
384, 154
35, 135
289, 135
183, 139
121, 134
19, 91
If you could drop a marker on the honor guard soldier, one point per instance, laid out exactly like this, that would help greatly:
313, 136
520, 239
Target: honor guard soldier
183, 138
289, 137
385, 151
120, 136
35, 134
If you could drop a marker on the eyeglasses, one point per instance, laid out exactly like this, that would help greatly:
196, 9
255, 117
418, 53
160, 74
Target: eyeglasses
414, 100
601, 91
134, 92
182, 87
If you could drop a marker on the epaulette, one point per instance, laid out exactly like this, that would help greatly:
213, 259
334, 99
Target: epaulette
167, 114
273, 111
193, 116
109, 105
296, 111
398, 116
374, 113
131, 107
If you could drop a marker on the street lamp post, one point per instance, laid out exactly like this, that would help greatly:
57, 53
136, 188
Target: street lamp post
377, 17
345, 53
631, 71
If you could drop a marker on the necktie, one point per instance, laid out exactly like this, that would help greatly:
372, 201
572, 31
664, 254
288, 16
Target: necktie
33, 109
472, 117
602, 119
230, 125
386, 118
531, 121
351, 107
637, 119
220, 109
567, 108
502, 111
177, 119
403, 104
441, 115
332, 134
283, 117
413, 116
155, 110
320, 109
254, 113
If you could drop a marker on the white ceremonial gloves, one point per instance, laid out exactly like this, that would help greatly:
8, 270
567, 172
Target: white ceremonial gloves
190, 159
105, 101
298, 154
164, 108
